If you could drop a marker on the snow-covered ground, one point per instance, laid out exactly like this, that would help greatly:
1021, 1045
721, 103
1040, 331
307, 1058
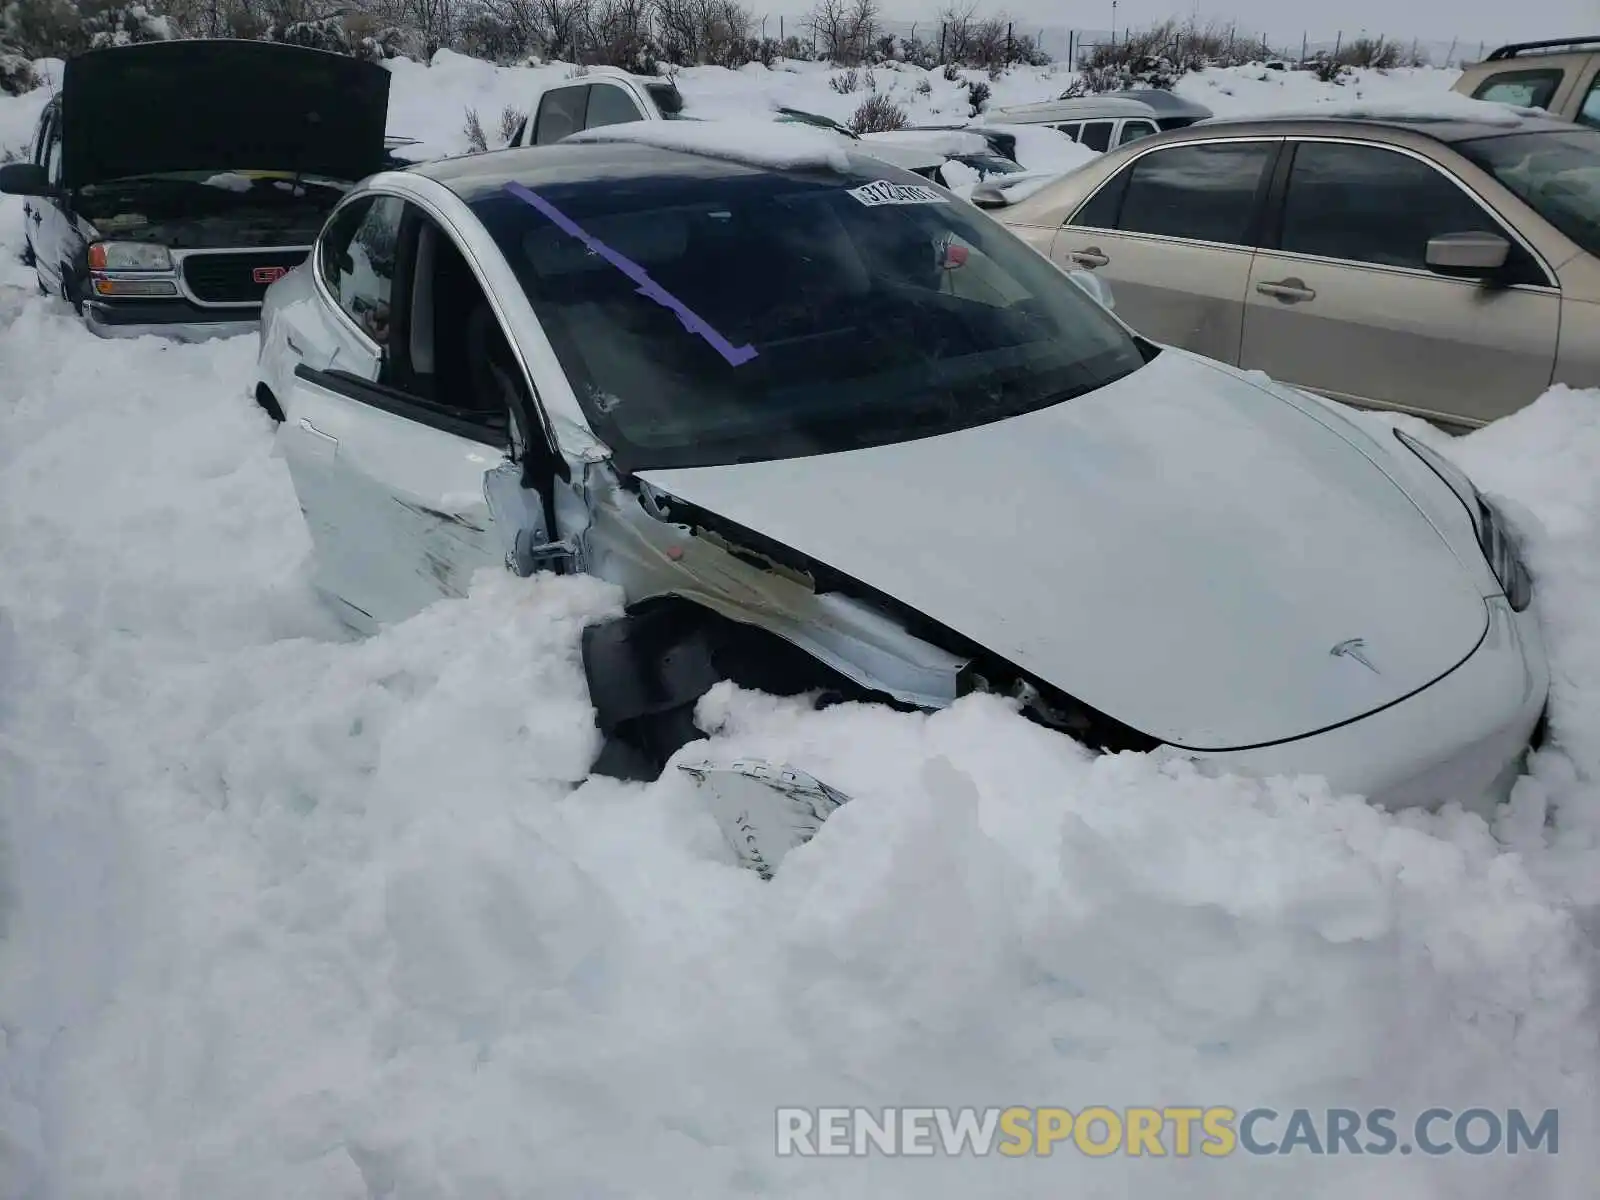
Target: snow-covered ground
284, 914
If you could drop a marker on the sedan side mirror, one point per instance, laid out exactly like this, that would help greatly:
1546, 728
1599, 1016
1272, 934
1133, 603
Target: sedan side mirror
1467, 255
25, 179
989, 195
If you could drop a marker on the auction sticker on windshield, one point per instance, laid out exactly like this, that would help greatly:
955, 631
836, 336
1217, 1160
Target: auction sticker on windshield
881, 191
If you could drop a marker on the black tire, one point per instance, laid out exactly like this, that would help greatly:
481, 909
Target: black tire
69, 290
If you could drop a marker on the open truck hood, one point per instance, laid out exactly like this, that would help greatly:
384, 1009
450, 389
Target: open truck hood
213, 105
1181, 550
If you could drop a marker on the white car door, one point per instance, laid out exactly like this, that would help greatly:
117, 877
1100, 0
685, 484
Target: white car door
388, 451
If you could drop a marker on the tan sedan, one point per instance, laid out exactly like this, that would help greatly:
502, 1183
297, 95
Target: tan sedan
1446, 268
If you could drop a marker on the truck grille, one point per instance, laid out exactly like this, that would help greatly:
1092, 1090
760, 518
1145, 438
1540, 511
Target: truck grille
236, 278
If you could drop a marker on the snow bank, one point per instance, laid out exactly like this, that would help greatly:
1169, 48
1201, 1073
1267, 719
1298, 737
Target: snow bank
1243, 91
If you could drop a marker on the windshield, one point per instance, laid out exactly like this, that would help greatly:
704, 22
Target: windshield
734, 315
1557, 173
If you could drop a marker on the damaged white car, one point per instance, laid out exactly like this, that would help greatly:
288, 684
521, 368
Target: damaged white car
835, 432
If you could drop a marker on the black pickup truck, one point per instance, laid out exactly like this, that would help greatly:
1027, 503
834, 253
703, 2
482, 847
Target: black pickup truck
171, 183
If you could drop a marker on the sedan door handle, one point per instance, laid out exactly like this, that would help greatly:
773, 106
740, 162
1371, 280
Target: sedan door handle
293, 349
1290, 291
1090, 258
306, 425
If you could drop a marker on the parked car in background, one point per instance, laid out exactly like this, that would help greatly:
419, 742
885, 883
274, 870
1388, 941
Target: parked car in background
170, 183
1172, 110
1098, 122
599, 96
730, 374
970, 149
1447, 267
1561, 75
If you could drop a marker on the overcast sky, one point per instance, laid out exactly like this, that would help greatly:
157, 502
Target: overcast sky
1490, 20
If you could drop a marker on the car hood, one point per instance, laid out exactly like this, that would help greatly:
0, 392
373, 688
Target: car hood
213, 105
1183, 550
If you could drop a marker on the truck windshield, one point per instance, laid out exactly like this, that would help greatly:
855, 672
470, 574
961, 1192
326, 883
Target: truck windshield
726, 314
1556, 173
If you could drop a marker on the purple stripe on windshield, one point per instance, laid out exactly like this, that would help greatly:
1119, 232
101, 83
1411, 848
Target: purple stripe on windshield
736, 355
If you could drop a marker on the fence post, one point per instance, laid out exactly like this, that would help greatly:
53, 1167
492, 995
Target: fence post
941, 41
1480, 51
1008, 43
1303, 44
1413, 61
1452, 53
1337, 43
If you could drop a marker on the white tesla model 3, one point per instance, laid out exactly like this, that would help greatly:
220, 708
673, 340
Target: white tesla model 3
834, 431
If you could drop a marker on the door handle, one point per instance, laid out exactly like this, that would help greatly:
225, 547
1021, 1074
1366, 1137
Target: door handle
1290, 291
294, 349
308, 427
1090, 258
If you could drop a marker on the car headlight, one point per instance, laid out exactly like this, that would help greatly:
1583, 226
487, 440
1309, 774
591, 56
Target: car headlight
129, 256
1499, 548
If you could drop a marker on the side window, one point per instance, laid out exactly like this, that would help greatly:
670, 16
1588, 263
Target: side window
1204, 192
356, 257
52, 153
610, 105
1097, 134
41, 138
1073, 130
1527, 89
516, 138
1589, 114
1103, 207
560, 113
1132, 131
1371, 205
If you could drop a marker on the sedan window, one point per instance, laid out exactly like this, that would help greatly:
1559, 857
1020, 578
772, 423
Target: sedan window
713, 318
1368, 204
1205, 192
356, 258
1556, 173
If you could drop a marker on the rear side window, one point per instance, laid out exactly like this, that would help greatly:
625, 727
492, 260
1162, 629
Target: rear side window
1589, 114
1072, 131
1370, 205
1526, 89
560, 113
1132, 131
1097, 134
610, 105
1207, 193
356, 259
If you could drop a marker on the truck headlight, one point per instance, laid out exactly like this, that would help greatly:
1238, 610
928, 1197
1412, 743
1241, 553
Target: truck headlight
1499, 548
129, 256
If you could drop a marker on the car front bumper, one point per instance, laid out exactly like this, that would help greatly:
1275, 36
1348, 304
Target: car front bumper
175, 319
1461, 738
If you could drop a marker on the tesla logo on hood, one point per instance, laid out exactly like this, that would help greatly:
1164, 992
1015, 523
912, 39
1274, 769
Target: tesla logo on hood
1355, 648
268, 274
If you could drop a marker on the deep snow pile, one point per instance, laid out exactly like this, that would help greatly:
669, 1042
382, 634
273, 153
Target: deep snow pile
285, 914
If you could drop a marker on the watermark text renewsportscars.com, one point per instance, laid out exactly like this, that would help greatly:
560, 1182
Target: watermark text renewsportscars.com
1099, 1131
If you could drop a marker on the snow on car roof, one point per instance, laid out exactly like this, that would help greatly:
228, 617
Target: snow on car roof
947, 142
1445, 107
778, 145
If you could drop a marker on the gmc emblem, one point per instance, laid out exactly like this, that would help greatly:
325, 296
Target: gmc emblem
268, 274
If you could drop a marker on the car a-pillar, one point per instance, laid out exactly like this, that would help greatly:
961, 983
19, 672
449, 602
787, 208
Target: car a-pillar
648, 669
